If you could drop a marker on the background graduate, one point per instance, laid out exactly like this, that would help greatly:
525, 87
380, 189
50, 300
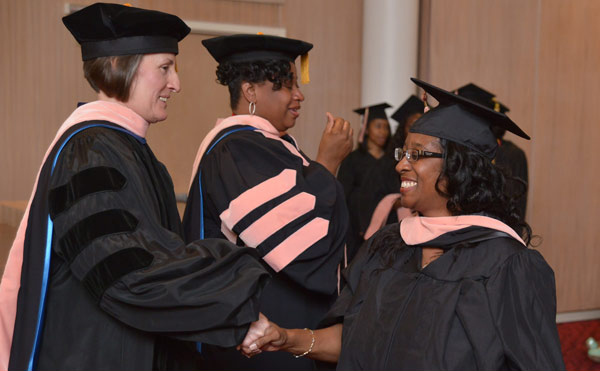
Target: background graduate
253, 186
383, 180
107, 282
359, 167
455, 288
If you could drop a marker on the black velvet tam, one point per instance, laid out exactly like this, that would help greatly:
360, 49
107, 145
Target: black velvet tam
111, 30
376, 111
463, 121
410, 106
247, 48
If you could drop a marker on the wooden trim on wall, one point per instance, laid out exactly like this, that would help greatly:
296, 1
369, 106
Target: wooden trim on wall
215, 28
220, 29
272, 2
73, 7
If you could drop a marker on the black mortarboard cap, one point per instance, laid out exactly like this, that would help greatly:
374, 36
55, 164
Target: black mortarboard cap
376, 111
481, 96
463, 121
476, 93
410, 106
111, 30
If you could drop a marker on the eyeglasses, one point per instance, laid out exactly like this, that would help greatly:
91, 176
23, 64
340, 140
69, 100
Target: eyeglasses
413, 155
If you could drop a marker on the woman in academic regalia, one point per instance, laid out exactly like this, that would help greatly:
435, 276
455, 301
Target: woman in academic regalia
254, 186
104, 278
359, 168
454, 288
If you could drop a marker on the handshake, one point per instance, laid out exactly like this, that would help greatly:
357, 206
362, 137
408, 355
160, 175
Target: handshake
263, 335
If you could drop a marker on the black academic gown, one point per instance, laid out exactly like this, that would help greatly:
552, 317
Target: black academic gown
364, 179
301, 293
124, 292
488, 303
513, 160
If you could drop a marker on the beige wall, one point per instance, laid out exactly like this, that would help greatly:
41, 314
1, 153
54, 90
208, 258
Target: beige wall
541, 58
42, 79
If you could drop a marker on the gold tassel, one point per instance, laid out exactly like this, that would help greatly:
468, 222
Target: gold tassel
496, 105
304, 76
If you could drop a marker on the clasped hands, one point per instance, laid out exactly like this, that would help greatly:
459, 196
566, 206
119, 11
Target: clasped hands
263, 335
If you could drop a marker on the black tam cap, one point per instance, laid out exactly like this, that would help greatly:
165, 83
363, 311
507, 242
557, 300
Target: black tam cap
410, 106
376, 111
463, 121
248, 48
111, 30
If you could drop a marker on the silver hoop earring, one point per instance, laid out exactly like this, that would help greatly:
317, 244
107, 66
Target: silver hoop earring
252, 108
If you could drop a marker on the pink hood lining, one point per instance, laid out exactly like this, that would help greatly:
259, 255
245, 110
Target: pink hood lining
221, 124
418, 230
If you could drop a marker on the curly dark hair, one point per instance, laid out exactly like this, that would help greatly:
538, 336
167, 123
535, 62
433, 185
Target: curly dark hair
475, 185
232, 74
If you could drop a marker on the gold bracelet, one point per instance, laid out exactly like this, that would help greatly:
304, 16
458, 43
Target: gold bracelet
312, 343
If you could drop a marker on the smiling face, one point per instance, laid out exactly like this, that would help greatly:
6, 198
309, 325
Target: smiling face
419, 178
378, 132
155, 80
279, 107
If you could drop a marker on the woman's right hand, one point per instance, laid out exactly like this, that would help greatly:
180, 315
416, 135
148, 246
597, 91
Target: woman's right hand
336, 143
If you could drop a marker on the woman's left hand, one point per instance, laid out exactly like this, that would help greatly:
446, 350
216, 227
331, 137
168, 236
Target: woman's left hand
336, 143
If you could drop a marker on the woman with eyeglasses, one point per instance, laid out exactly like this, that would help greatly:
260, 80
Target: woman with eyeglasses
454, 288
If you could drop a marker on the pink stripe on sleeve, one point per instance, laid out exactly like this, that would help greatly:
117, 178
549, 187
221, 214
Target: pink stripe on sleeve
297, 243
277, 218
258, 195
232, 237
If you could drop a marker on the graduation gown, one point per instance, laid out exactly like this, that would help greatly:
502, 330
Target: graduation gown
258, 189
107, 282
366, 181
487, 303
